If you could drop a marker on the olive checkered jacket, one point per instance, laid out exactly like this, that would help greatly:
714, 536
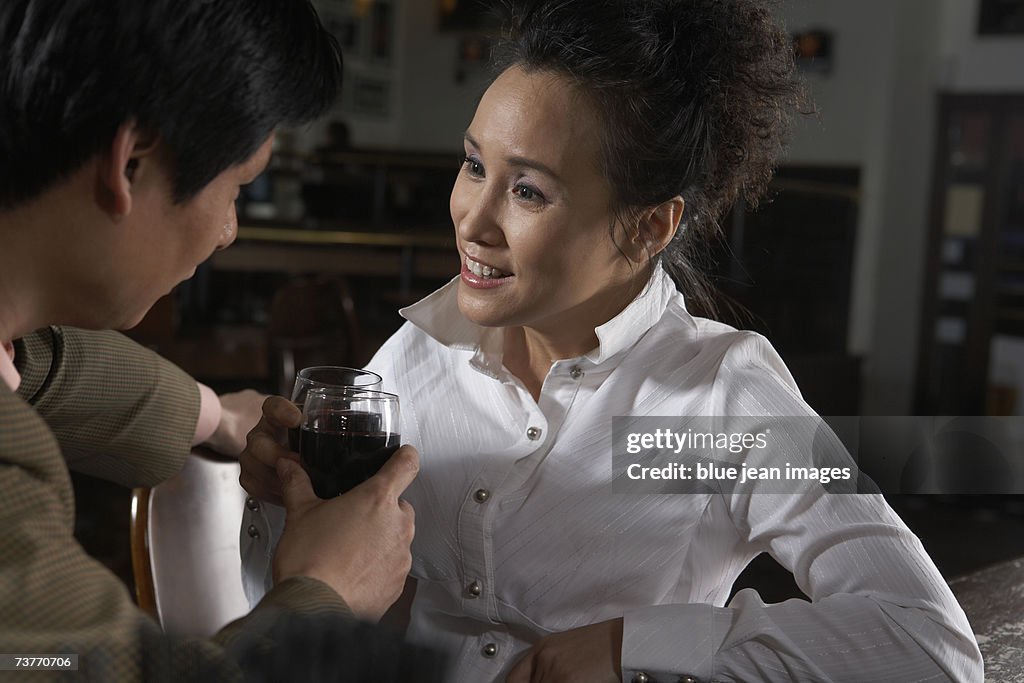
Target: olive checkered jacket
100, 404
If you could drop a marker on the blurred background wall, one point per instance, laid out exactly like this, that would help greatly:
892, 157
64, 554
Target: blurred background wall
877, 110
888, 267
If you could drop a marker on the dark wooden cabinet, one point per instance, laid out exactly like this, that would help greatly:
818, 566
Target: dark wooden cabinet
972, 322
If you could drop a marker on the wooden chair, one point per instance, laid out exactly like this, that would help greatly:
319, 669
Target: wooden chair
184, 545
312, 322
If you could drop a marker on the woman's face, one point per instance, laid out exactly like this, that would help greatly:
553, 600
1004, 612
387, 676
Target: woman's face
532, 210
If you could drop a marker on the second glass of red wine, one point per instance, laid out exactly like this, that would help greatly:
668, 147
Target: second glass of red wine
346, 436
332, 376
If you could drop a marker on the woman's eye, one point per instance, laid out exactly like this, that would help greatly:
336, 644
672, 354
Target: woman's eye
526, 192
474, 166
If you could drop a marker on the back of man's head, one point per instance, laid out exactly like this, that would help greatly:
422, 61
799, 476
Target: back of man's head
212, 78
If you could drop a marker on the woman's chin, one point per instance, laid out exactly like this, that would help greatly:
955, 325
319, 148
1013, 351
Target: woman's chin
483, 313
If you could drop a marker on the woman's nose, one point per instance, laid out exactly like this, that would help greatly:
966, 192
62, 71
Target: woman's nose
476, 216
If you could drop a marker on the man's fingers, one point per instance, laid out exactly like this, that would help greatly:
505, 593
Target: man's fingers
410, 514
262, 489
266, 429
263, 448
258, 479
522, 671
282, 412
259, 460
262, 428
400, 470
296, 489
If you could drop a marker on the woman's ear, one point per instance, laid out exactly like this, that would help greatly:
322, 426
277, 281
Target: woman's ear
119, 165
655, 229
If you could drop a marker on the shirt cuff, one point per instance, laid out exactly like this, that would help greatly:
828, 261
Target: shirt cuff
673, 642
209, 414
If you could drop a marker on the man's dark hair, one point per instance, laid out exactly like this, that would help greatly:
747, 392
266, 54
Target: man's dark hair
212, 77
695, 98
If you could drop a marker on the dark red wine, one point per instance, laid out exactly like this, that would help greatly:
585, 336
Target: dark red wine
346, 454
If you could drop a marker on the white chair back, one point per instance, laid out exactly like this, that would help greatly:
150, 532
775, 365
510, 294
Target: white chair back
191, 533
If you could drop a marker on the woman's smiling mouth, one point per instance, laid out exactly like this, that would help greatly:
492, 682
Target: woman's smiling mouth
480, 276
483, 271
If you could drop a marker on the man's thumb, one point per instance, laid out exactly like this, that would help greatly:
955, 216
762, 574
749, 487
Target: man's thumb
296, 489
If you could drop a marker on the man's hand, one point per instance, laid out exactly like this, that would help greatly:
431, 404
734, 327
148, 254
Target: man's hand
357, 543
265, 445
591, 654
240, 412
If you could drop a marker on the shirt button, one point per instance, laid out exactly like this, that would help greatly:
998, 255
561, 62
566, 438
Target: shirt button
481, 495
252, 504
474, 590
533, 433
575, 372
253, 531
688, 679
641, 677
490, 649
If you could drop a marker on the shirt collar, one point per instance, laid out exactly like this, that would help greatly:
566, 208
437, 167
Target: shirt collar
439, 317
624, 330
8, 373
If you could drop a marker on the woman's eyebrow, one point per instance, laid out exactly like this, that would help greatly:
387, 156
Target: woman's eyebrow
516, 160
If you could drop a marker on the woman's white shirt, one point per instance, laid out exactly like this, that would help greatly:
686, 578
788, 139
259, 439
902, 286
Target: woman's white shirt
518, 534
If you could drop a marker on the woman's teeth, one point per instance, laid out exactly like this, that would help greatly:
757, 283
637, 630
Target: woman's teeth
483, 271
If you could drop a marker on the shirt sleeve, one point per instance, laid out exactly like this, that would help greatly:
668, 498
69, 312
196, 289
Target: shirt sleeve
878, 609
119, 411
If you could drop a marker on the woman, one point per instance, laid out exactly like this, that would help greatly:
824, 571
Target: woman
615, 136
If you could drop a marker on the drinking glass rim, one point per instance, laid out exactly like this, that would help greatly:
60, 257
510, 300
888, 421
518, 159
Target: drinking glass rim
328, 390
361, 371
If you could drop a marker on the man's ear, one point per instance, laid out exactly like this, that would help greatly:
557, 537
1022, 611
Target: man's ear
120, 166
655, 229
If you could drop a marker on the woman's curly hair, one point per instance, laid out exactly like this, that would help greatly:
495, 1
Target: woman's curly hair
696, 98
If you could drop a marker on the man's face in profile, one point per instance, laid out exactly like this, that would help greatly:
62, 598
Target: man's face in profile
158, 243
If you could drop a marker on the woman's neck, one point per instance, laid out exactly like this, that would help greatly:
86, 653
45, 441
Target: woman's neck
529, 351
528, 354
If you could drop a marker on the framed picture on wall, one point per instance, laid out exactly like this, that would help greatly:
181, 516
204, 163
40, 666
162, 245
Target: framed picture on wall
1001, 17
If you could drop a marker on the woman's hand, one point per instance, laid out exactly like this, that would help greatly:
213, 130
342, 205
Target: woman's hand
265, 445
591, 654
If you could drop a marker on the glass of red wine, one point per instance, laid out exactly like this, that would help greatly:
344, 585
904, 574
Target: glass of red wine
333, 376
346, 436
